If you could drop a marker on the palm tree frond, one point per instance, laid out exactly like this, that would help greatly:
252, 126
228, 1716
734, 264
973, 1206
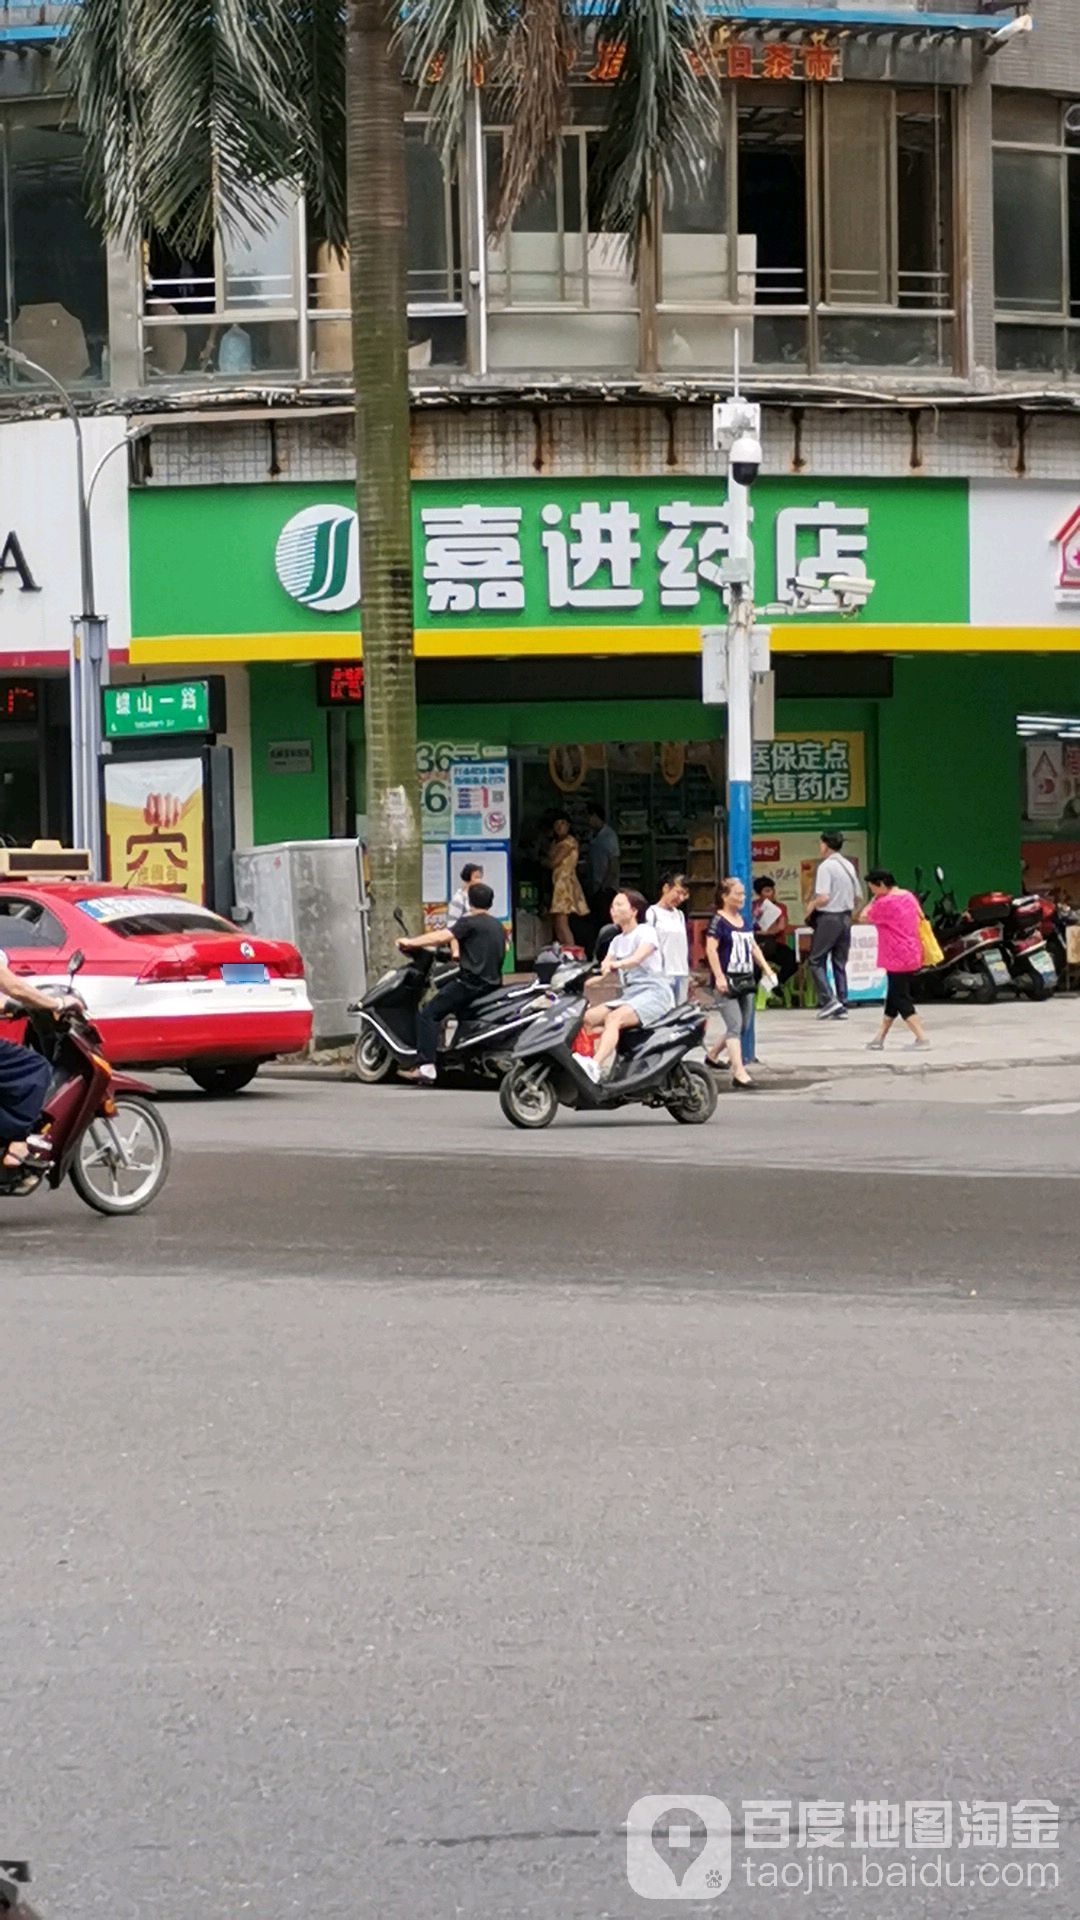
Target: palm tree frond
448, 47
538, 58
664, 107
194, 116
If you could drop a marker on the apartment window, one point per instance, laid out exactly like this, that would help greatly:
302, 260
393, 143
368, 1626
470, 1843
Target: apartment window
561, 291
821, 233
1037, 234
231, 312
437, 324
55, 303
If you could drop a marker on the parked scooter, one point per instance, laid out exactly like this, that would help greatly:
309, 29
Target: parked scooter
483, 1036
973, 965
1024, 946
103, 1129
650, 1069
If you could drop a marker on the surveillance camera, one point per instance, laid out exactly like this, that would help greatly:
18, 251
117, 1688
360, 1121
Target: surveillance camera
746, 459
851, 589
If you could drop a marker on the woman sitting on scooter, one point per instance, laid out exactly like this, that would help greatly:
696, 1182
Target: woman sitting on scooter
634, 955
24, 1077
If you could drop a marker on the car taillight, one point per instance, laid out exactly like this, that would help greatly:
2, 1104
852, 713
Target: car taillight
289, 967
161, 972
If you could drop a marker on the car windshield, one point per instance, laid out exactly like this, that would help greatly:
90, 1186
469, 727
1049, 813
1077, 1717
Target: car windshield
183, 920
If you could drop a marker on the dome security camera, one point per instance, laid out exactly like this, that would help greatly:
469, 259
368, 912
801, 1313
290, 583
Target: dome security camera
746, 459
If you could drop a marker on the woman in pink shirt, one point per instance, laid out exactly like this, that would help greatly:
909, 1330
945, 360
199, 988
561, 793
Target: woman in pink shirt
896, 914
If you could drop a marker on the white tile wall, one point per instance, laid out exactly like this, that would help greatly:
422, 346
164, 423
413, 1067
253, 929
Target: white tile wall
623, 439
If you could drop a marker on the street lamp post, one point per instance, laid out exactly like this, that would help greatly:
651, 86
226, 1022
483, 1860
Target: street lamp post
89, 650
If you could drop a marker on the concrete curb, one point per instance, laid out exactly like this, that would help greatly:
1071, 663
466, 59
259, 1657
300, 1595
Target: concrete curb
794, 1078
849, 1069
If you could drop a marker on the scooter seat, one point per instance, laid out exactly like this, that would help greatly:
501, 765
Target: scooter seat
631, 1038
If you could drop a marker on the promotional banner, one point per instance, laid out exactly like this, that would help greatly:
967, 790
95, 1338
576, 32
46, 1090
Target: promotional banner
809, 776
155, 824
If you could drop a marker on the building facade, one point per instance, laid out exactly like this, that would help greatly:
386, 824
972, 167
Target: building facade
888, 232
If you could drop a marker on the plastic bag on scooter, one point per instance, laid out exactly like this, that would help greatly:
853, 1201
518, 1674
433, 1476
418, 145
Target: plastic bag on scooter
585, 1044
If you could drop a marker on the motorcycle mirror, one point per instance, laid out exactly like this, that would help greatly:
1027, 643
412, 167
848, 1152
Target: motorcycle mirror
939, 876
399, 918
76, 963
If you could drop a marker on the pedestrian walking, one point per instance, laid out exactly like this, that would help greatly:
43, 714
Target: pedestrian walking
733, 953
669, 920
896, 914
837, 892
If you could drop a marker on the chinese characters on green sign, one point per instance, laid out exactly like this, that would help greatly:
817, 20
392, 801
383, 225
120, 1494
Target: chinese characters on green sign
809, 773
181, 706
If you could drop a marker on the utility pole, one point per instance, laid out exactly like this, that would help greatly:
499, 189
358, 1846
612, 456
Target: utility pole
733, 656
88, 658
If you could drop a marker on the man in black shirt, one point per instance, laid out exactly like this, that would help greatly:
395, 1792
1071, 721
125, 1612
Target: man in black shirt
479, 946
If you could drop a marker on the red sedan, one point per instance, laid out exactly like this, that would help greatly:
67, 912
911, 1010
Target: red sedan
169, 983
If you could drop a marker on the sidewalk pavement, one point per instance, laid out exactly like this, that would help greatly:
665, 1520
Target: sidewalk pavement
1010, 1034
797, 1045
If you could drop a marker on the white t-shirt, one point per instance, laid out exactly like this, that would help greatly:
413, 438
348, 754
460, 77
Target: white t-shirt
670, 927
624, 944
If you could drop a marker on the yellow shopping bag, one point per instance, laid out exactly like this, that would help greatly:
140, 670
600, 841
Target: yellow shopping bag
928, 940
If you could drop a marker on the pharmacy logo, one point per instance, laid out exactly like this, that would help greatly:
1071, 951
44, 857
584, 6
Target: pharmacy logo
678, 1846
317, 558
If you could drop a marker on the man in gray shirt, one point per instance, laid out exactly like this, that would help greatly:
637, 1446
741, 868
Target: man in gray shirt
837, 889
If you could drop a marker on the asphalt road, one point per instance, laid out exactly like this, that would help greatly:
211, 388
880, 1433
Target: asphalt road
401, 1498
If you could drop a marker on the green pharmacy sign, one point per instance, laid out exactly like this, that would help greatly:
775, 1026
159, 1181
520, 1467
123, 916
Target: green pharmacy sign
166, 706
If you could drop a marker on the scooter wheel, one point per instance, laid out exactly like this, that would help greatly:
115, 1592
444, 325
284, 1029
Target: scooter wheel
695, 1096
122, 1160
1036, 986
371, 1060
528, 1098
985, 996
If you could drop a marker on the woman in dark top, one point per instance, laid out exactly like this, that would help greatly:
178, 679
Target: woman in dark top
733, 953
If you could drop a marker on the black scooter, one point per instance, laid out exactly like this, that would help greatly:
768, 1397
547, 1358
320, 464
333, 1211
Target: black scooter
650, 1069
480, 1041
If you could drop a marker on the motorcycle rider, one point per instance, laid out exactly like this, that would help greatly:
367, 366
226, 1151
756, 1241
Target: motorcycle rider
478, 943
635, 955
24, 1076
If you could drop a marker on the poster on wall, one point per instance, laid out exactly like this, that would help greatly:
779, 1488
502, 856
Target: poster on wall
1052, 780
155, 825
435, 760
1051, 866
820, 777
495, 861
480, 799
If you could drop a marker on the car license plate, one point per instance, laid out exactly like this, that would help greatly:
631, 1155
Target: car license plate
239, 975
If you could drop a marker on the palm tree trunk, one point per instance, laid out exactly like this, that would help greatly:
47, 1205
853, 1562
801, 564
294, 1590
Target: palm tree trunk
377, 260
